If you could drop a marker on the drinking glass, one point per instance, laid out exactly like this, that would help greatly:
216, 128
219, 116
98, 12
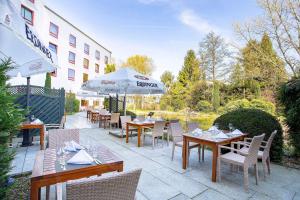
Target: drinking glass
62, 162
217, 125
231, 127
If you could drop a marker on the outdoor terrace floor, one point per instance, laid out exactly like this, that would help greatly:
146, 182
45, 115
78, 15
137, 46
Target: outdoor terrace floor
164, 179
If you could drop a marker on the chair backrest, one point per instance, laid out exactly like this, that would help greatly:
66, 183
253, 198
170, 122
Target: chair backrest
251, 158
158, 129
124, 120
122, 186
176, 131
58, 137
115, 117
141, 118
174, 120
192, 126
269, 144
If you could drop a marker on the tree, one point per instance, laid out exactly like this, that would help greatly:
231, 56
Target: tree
281, 22
10, 119
109, 68
190, 71
213, 53
216, 96
48, 81
142, 64
167, 78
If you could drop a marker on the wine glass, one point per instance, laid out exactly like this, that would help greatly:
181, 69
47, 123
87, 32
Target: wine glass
231, 127
217, 125
62, 162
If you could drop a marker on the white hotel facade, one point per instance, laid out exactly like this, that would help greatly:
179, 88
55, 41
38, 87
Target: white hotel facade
80, 57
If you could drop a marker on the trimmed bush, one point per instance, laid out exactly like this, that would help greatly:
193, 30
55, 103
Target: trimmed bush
290, 97
204, 106
72, 104
255, 122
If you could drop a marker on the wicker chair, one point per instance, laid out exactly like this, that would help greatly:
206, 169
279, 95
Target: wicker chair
167, 129
263, 155
191, 127
114, 120
235, 158
124, 120
53, 126
122, 187
177, 132
156, 132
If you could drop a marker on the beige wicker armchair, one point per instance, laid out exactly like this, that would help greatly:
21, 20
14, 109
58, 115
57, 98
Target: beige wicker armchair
177, 132
124, 120
191, 127
114, 120
263, 155
122, 187
156, 132
236, 158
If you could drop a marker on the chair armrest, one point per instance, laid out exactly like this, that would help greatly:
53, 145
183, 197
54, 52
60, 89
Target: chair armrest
226, 147
241, 143
247, 139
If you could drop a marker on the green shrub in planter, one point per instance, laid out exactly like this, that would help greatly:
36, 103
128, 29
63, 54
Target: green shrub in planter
255, 122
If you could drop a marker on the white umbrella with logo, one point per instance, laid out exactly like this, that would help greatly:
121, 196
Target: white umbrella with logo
22, 44
124, 81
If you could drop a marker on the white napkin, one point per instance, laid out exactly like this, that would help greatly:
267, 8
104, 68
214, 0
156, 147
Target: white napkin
213, 128
70, 146
81, 158
221, 135
76, 145
197, 130
37, 121
236, 132
135, 120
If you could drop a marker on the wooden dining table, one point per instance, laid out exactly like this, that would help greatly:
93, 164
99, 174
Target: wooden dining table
103, 119
139, 126
47, 170
28, 126
213, 143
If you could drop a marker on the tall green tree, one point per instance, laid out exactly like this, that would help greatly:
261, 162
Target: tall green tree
216, 100
190, 72
110, 68
167, 78
48, 81
10, 120
140, 63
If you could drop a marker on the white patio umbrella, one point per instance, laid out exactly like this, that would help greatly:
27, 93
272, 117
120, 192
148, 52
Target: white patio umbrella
124, 81
22, 44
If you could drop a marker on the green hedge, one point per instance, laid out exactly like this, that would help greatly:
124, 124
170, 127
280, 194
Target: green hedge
290, 98
255, 122
72, 104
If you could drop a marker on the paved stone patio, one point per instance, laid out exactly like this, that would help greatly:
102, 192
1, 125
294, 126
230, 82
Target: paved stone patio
164, 179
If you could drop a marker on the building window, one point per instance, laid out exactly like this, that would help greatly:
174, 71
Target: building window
86, 49
54, 73
71, 74
97, 55
106, 60
85, 77
96, 68
72, 40
85, 63
27, 14
71, 57
53, 47
53, 30
84, 103
96, 103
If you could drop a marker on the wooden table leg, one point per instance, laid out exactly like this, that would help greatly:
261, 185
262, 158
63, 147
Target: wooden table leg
127, 132
139, 136
34, 192
184, 153
42, 135
214, 163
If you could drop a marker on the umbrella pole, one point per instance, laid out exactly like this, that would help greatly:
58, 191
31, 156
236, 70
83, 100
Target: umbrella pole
125, 105
28, 96
26, 137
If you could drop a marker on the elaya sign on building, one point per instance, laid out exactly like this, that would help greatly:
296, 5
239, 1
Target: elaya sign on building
37, 43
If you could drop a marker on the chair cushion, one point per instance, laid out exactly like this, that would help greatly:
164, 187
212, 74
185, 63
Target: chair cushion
244, 151
233, 158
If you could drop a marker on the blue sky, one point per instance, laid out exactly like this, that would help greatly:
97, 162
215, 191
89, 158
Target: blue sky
161, 29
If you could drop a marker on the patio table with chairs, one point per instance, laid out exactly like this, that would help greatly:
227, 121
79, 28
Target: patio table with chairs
207, 140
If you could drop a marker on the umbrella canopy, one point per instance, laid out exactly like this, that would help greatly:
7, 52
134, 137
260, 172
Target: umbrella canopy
22, 44
124, 81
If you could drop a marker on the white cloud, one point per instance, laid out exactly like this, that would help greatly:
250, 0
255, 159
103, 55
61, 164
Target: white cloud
191, 19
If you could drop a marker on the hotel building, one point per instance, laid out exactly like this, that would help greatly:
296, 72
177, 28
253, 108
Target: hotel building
80, 57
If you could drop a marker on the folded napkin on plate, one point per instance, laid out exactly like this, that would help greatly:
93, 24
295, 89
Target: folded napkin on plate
236, 132
135, 120
37, 121
81, 158
213, 128
221, 135
72, 146
197, 130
